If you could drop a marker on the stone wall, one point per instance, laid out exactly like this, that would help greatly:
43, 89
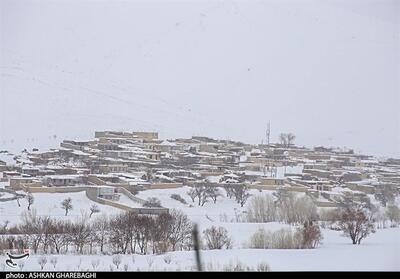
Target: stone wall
164, 185
131, 196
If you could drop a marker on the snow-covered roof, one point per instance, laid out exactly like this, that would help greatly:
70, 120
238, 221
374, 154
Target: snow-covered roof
63, 176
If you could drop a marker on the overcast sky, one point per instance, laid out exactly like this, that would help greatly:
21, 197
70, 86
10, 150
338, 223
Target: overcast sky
328, 71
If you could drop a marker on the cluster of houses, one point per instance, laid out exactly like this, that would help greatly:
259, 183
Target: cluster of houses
140, 160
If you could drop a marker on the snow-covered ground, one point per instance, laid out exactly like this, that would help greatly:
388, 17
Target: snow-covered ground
49, 204
209, 213
8, 158
378, 252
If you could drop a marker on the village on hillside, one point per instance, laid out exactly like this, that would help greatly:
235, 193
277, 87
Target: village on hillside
123, 163
129, 201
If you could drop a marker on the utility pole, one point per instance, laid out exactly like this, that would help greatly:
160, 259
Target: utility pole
268, 133
196, 243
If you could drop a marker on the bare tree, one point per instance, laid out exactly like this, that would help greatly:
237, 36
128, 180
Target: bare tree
181, 229
286, 139
192, 194
58, 234
94, 209
142, 230
31, 226
385, 194
241, 193
160, 232
121, 232
229, 191
290, 139
102, 225
355, 222
79, 234
217, 238
67, 205
283, 139
213, 193
30, 199
199, 191
46, 227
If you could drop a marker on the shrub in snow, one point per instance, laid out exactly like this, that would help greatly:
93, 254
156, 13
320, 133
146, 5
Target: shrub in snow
393, 214
281, 239
53, 261
79, 264
262, 209
385, 193
117, 259
236, 266
42, 261
295, 210
217, 238
167, 259
95, 263
21, 265
178, 198
152, 202
311, 235
126, 267
150, 261
262, 267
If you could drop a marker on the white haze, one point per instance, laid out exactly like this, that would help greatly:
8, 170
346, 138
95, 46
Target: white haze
327, 71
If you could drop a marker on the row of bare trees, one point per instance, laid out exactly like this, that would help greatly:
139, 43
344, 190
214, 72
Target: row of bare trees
307, 236
355, 219
125, 233
203, 192
284, 206
286, 139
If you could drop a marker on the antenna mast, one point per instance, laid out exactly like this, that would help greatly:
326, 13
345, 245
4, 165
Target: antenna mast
268, 132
